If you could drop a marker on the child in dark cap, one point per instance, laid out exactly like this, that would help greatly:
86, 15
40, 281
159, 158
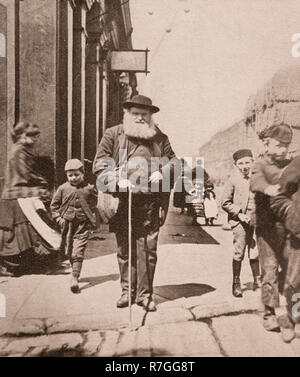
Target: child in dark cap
238, 202
71, 208
271, 234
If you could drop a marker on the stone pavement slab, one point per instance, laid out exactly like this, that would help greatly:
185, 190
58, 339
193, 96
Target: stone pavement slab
244, 336
143, 342
168, 315
184, 339
177, 339
52, 297
52, 343
249, 303
94, 341
108, 348
126, 345
117, 319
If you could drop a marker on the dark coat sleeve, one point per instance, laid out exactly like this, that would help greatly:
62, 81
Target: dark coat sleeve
280, 205
105, 149
290, 177
286, 206
56, 203
25, 169
104, 166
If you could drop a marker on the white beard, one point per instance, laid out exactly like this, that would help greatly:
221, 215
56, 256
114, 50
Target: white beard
144, 130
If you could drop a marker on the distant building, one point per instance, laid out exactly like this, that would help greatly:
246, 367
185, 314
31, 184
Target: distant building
278, 101
54, 71
218, 151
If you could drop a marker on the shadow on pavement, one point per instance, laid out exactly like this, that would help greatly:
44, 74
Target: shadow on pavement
96, 280
165, 293
189, 234
247, 286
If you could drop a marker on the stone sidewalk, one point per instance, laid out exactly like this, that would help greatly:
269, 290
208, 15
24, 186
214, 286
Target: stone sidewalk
240, 335
196, 316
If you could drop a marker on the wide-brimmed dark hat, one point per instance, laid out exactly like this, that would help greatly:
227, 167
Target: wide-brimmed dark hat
141, 101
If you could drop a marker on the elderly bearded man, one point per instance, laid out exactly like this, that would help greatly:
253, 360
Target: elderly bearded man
139, 137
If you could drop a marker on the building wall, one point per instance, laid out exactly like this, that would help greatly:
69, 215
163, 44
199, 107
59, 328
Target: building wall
218, 151
3, 86
278, 101
7, 79
38, 68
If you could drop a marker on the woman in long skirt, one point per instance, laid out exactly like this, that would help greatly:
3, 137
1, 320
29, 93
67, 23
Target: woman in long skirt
18, 239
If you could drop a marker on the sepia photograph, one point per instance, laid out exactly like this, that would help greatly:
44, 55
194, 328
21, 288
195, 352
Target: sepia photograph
149, 181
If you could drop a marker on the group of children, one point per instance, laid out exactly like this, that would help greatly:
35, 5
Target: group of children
263, 209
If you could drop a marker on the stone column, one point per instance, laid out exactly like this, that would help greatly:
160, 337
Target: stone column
78, 111
38, 68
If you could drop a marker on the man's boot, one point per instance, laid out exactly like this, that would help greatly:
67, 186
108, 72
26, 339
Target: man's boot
123, 301
269, 319
254, 264
236, 286
74, 286
148, 304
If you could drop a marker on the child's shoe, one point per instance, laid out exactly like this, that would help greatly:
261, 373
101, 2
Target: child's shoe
236, 287
74, 286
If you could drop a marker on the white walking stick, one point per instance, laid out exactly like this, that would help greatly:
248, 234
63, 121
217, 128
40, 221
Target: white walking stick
129, 254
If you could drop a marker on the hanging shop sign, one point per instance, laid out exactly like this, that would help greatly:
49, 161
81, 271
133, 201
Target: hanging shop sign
129, 61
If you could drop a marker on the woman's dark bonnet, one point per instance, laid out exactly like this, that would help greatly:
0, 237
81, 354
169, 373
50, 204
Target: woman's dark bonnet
23, 127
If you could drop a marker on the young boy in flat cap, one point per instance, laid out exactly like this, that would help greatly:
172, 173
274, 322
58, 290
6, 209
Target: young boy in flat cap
270, 232
71, 208
238, 202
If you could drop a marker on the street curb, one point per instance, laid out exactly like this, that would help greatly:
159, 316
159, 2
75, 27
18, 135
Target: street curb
111, 322
226, 308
